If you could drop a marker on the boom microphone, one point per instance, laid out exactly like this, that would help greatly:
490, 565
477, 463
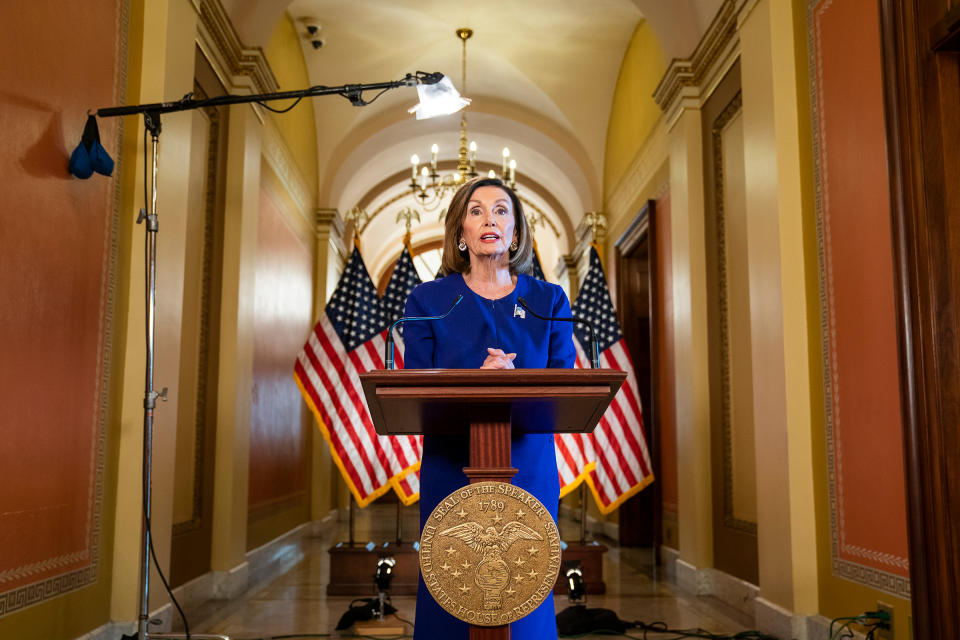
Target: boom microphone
388, 348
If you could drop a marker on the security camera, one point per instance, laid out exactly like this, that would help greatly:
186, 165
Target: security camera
312, 25
318, 43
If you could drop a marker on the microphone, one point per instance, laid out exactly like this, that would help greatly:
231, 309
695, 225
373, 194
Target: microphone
388, 350
595, 352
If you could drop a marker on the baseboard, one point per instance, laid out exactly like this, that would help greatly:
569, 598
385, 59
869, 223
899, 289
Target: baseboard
668, 561
163, 617
739, 594
230, 584
768, 617
691, 579
779, 622
110, 631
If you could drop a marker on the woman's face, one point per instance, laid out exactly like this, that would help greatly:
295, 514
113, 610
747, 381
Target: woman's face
489, 224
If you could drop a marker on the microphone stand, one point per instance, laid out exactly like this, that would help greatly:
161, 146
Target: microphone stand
594, 364
151, 120
388, 350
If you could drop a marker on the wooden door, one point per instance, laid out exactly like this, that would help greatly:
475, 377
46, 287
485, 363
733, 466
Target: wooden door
921, 53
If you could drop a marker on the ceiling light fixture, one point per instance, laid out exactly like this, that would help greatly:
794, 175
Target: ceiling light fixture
426, 182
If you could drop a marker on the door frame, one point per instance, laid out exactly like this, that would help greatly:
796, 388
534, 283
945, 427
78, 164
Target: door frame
920, 44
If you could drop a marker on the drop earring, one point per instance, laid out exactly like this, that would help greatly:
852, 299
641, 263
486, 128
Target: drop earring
462, 245
513, 247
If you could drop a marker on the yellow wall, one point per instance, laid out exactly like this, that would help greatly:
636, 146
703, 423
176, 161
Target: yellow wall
161, 65
298, 130
634, 113
297, 127
786, 537
634, 116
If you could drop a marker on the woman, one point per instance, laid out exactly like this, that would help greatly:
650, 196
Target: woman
487, 250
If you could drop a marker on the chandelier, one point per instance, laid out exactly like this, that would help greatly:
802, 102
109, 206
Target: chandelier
426, 182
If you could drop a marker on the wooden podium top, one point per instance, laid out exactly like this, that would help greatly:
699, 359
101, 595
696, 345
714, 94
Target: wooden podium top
436, 401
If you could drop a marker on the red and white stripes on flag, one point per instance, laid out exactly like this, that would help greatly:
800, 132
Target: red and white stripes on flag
613, 460
348, 340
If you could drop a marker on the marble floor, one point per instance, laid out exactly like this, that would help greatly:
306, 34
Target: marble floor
294, 604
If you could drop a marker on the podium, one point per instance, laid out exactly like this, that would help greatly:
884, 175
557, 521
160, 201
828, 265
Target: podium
488, 404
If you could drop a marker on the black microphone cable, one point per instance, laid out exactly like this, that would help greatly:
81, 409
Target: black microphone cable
594, 351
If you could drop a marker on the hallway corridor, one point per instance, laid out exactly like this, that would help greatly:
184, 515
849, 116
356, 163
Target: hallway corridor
295, 601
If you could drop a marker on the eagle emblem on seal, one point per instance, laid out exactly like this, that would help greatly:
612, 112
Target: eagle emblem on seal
492, 573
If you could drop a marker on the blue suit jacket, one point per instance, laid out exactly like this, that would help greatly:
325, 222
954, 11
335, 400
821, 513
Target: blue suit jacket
460, 341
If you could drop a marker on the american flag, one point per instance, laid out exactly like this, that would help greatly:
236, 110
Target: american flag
537, 270
349, 340
402, 282
613, 459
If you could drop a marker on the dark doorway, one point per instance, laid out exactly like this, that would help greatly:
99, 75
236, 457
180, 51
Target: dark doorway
636, 286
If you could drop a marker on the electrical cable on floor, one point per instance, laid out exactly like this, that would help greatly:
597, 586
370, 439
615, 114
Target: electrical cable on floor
403, 620
660, 628
163, 579
578, 621
307, 636
872, 621
678, 634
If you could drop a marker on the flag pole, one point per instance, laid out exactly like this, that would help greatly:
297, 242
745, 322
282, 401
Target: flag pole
351, 517
399, 520
583, 513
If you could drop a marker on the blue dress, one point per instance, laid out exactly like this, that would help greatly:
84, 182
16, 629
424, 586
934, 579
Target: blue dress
460, 341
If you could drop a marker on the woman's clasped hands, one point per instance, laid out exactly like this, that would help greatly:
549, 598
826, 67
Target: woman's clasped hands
497, 359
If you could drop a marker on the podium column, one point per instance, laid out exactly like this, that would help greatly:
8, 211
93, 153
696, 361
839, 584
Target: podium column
490, 462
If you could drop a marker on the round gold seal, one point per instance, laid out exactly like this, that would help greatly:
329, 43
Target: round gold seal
490, 553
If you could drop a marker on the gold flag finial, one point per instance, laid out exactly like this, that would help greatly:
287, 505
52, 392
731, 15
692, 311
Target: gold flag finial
359, 217
597, 221
534, 220
408, 215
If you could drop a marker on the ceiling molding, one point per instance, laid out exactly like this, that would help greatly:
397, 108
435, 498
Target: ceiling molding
684, 77
240, 68
627, 195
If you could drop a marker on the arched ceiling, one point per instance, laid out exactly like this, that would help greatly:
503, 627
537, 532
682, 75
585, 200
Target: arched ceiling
541, 74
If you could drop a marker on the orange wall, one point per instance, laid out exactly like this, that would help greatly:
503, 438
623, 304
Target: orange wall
868, 537
55, 274
283, 307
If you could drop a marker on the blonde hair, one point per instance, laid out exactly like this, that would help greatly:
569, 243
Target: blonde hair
457, 261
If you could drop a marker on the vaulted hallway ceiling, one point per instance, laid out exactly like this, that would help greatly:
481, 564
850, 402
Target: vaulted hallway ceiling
541, 74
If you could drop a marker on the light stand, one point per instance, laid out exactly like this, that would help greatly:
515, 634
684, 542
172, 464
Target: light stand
382, 579
576, 588
151, 116
381, 621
